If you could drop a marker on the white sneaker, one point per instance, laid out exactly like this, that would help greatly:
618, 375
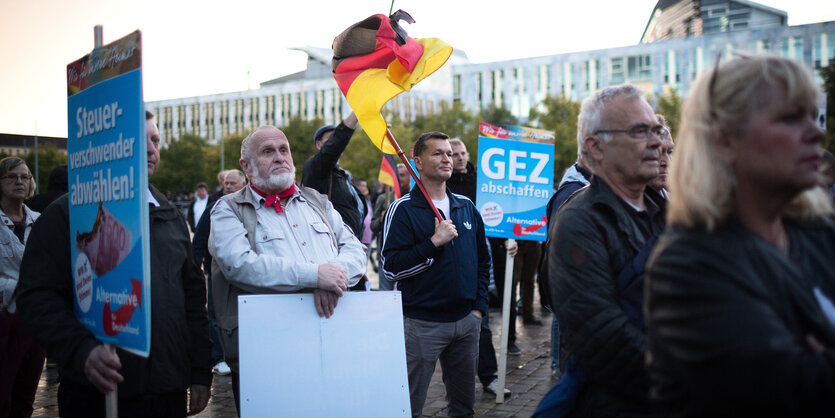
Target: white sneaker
221, 369
491, 388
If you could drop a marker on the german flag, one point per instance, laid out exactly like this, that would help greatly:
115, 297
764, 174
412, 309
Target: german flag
389, 175
375, 60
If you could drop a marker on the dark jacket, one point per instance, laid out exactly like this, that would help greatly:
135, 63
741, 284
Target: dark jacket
200, 240
594, 236
190, 212
464, 183
729, 317
322, 173
180, 347
438, 284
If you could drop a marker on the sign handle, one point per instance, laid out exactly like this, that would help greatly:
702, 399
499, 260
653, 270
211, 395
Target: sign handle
508, 284
111, 399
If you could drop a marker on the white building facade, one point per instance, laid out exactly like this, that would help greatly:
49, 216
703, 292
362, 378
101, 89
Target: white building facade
682, 39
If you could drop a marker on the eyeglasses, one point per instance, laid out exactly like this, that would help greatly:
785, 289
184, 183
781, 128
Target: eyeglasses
640, 131
12, 178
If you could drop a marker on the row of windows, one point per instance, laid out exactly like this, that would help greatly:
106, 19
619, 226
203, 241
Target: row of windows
246, 113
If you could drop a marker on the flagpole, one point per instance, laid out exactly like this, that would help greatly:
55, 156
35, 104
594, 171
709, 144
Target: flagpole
412, 173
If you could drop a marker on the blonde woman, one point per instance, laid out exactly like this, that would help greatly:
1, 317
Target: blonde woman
21, 360
741, 286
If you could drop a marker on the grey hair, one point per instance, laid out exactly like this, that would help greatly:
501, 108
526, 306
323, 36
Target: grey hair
591, 113
238, 173
245, 152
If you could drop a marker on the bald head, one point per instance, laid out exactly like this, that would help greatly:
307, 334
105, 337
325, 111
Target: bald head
266, 159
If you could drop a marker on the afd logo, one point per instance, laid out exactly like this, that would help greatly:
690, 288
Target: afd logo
467, 225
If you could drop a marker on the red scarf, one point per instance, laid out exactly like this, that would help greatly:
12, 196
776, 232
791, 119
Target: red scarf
275, 199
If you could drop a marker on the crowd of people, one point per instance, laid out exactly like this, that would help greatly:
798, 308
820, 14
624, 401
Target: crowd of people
685, 278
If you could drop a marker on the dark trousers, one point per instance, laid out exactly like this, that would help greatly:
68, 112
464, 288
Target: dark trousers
21, 363
525, 267
217, 349
498, 254
487, 367
78, 401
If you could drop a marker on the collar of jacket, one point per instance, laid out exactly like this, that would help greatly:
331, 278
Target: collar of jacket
28, 220
420, 201
165, 210
247, 197
604, 198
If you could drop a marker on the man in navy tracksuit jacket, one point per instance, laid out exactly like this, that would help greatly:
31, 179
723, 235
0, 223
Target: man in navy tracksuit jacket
442, 270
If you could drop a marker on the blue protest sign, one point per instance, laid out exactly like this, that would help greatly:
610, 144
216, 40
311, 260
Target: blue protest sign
515, 180
108, 181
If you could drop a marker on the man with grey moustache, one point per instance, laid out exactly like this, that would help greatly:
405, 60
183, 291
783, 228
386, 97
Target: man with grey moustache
276, 237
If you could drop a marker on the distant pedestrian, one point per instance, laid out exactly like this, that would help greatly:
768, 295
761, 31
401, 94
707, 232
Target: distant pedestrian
195, 210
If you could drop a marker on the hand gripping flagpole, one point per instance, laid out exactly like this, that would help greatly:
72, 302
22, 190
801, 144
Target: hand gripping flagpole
413, 174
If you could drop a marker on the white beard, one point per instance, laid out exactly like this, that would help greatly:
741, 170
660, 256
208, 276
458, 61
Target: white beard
280, 182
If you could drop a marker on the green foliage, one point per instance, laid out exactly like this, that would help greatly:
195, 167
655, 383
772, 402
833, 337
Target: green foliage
191, 159
559, 114
300, 134
828, 75
48, 158
182, 165
362, 158
669, 105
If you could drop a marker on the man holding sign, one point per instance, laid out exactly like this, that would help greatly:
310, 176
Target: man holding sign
442, 270
274, 237
180, 353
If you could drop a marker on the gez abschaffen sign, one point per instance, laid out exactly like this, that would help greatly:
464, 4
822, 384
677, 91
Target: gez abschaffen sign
515, 180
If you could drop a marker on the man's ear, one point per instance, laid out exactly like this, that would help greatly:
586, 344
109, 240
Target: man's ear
418, 164
592, 144
245, 167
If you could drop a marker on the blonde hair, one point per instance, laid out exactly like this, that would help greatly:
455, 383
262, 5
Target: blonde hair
702, 182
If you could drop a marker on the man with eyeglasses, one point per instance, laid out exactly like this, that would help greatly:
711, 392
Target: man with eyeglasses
598, 238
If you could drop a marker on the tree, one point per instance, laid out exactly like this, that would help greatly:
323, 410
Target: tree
559, 114
182, 165
300, 133
669, 105
48, 158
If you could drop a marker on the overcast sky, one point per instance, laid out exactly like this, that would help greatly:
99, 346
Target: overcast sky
193, 48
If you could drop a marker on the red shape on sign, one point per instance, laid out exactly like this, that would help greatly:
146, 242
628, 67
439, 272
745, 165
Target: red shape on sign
114, 322
519, 230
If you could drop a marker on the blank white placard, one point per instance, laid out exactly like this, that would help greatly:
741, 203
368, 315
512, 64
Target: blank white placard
295, 364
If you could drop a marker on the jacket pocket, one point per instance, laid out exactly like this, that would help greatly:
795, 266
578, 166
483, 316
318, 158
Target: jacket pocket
322, 231
266, 240
6, 245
